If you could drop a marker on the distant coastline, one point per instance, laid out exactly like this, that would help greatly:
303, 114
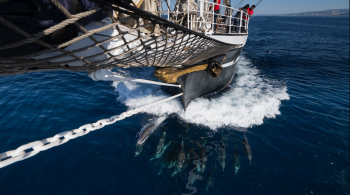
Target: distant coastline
326, 13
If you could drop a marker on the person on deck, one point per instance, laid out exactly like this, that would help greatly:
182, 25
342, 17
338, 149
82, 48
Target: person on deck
238, 17
244, 18
228, 14
236, 20
245, 11
216, 12
251, 10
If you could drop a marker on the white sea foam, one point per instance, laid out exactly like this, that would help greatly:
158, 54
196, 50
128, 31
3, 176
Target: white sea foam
251, 98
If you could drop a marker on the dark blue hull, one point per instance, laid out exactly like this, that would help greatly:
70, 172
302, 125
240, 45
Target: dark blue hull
198, 84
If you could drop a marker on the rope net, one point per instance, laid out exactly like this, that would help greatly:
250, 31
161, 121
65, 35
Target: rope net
150, 41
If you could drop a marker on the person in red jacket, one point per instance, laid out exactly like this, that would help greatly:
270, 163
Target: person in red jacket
251, 10
216, 12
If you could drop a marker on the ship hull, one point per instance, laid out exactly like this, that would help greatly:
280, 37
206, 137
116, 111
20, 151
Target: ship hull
201, 83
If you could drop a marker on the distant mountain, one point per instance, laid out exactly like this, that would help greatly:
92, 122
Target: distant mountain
331, 12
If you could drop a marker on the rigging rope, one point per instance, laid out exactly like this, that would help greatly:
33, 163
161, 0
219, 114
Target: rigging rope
262, 9
20, 153
235, 3
165, 43
239, 4
258, 3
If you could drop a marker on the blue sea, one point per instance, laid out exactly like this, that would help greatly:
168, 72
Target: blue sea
289, 98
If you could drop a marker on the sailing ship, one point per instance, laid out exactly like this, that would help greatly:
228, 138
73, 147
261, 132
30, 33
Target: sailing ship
190, 44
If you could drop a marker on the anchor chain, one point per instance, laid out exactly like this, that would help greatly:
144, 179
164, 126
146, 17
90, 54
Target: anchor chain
20, 153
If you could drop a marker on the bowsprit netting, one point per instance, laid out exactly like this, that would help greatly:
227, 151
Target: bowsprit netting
151, 41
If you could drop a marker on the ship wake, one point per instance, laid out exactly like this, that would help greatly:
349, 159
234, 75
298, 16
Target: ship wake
246, 102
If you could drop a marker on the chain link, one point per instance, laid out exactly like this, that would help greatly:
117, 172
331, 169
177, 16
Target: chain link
20, 153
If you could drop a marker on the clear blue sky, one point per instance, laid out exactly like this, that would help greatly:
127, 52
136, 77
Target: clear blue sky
295, 6
286, 6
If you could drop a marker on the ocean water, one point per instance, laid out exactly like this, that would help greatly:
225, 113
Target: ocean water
290, 98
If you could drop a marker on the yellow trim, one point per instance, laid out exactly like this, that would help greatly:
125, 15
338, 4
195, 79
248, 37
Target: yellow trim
170, 75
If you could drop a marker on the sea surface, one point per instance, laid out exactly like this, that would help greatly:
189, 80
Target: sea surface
289, 98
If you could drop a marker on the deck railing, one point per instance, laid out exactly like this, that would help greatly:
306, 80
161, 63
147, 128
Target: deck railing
204, 18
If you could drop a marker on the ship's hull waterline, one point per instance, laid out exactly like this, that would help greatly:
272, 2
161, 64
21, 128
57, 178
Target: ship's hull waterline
201, 83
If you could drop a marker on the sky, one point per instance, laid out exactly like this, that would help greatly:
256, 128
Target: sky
294, 6
287, 6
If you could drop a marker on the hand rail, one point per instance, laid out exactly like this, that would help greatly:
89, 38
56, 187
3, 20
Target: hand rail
198, 19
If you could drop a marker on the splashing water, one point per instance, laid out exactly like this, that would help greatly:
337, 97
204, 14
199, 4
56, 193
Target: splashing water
250, 99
